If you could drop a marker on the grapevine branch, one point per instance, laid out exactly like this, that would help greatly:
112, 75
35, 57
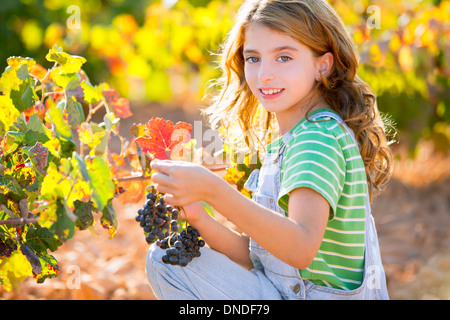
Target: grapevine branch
93, 110
42, 83
142, 177
18, 221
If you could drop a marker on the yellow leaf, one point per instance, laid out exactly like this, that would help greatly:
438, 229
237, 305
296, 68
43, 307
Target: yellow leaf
81, 190
405, 59
358, 37
395, 43
87, 136
55, 184
8, 112
54, 146
31, 35
193, 53
54, 34
374, 52
125, 23
14, 269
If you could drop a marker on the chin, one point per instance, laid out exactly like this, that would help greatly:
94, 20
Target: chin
272, 108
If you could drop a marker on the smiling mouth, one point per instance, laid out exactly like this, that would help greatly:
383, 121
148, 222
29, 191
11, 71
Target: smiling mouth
270, 91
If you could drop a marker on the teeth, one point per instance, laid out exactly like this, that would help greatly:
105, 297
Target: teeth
271, 91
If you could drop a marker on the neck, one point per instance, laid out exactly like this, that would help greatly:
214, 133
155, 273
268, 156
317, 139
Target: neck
289, 118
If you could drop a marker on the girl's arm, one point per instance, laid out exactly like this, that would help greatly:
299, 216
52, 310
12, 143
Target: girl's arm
294, 240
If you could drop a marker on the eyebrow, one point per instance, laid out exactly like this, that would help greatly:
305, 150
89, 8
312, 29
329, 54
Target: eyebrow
274, 50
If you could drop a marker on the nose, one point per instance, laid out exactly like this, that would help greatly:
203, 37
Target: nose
266, 72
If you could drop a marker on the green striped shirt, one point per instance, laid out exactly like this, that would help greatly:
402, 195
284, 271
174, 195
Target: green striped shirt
324, 157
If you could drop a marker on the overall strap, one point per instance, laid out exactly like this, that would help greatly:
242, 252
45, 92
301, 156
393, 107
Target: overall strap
338, 119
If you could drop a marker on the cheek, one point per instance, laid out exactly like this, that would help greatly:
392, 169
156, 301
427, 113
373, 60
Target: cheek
301, 78
251, 77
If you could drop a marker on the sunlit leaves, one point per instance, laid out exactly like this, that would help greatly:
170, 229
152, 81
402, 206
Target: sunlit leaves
40, 239
9, 113
100, 181
38, 155
40, 137
61, 128
17, 62
22, 175
31, 34
68, 63
63, 188
56, 184
38, 71
87, 135
9, 80
24, 97
50, 267
83, 212
90, 93
242, 166
161, 137
32, 258
75, 113
405, 58
65, 80
14, 269
109, 220
120, 105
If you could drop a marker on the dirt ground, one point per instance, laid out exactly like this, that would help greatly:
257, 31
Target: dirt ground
412, 218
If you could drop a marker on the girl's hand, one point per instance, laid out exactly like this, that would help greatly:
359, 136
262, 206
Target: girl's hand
193, 213
182, 182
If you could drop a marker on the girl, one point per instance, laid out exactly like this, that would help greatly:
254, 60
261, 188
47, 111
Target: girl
307, 232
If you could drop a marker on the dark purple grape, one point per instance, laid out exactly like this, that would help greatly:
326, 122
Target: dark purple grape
159, 221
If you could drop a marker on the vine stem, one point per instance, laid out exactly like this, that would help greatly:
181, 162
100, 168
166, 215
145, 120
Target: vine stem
19, 221
141, 177
184, 213
93, 110
133, 178
43, 80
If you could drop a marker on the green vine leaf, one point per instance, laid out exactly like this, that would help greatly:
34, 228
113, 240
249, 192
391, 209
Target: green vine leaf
45, 177
101, 181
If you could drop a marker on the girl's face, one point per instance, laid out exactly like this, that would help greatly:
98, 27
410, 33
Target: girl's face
280, 71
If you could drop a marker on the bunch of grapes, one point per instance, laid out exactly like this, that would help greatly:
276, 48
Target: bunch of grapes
159, 221
183, 247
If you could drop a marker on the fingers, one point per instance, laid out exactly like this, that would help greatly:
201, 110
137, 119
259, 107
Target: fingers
160, 165
170, 199
163, 186
160, 178
173, 179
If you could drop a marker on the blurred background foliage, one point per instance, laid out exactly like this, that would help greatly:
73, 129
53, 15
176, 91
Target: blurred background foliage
166, 51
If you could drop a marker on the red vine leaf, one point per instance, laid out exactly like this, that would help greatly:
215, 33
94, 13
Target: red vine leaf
161, 136
38, 71
120, 105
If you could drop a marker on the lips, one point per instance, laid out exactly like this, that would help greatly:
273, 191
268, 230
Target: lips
271, 93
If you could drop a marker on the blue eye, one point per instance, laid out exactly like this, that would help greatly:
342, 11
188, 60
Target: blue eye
252, 59
284, 59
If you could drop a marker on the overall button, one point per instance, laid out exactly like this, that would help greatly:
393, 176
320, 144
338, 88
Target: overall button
296, 288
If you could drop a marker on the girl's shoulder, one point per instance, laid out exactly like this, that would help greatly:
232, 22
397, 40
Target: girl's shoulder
321, 128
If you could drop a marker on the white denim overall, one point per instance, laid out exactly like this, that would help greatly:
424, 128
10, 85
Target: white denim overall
265, 184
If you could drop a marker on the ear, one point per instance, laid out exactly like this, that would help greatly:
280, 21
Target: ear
325, 64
